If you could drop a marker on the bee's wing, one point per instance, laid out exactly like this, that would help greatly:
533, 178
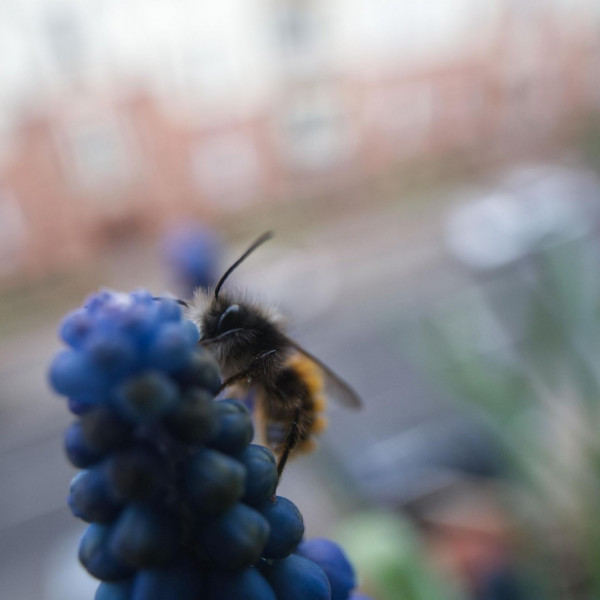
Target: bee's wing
339, 389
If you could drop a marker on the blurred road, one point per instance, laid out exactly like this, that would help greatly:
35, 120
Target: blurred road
345, 283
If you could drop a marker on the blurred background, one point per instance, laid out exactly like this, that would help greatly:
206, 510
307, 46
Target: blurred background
430, 170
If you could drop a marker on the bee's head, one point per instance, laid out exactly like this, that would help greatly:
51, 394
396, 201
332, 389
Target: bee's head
222, 319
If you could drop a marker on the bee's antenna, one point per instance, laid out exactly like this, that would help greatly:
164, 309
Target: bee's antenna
178, 300
261, 240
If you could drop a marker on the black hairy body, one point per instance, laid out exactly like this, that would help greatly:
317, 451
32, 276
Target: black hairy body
252, 349
247, 340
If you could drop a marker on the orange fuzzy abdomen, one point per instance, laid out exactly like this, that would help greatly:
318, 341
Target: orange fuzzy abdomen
314, 404
296, 398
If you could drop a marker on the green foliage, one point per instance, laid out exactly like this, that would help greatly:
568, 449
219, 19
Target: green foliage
522, 347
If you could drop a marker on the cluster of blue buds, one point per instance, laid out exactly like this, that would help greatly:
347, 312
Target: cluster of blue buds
180, 504
192, 252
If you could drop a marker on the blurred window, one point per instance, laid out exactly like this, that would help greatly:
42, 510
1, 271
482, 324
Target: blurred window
462, 106
300, 31
297, 26
315, 130
413, 30
66, 40
98, 152
403, 113
207, 71
227, 167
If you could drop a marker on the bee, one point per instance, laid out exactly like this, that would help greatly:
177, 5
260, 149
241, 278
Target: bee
254, 352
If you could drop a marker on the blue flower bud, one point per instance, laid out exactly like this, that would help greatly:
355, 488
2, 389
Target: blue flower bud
195, 419
72, 373
178, 581
111, 352
143, 537
78, 449
168, 309
92, 498
96, 557
213, 482
287, 527
331, 558
201, 372
146, 397
235, 430
297, 578
137, 472
104, 430
191, 331
248, 584
235, 539
262, 478
171, 348
120, 590
76, 327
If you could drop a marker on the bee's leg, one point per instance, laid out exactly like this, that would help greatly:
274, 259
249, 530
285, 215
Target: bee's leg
291, 439
260, 419
248, 372
234, 378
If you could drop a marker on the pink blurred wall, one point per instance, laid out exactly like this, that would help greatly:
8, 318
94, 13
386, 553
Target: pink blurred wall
90, 165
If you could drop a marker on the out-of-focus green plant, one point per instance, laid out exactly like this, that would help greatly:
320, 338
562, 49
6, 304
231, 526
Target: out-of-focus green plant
391, 561
588, 141
522, 346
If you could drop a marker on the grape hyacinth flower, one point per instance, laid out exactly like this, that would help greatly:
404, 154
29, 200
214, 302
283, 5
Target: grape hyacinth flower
180, 504
192, 252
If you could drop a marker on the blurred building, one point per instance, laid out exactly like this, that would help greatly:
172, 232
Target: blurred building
117, 115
